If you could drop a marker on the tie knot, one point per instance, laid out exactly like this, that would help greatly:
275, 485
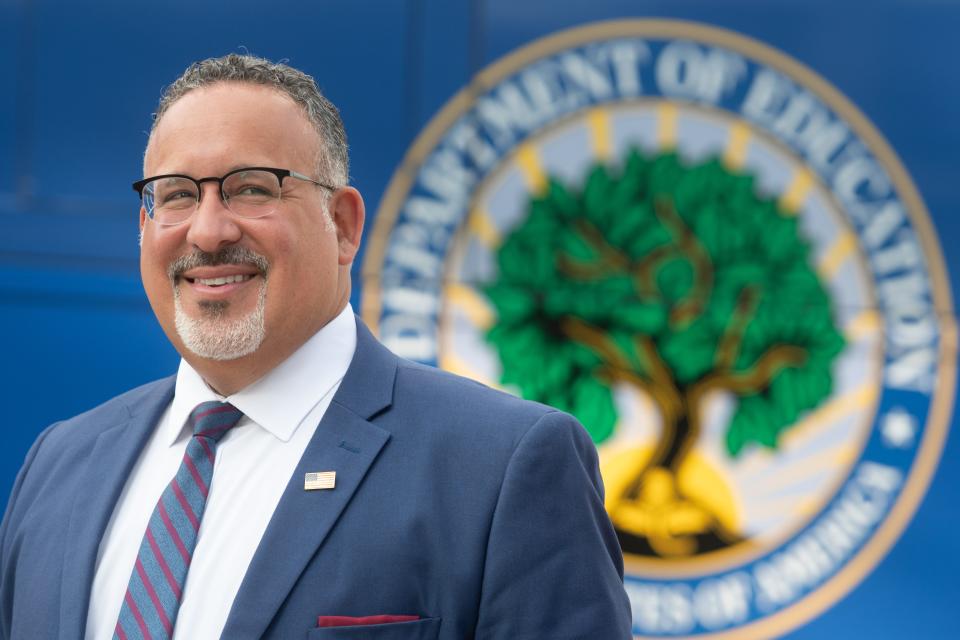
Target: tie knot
213, 419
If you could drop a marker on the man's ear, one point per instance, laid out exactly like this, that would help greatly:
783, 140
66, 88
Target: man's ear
348, 213
143, 221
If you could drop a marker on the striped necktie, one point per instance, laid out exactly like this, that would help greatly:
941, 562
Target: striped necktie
153, 594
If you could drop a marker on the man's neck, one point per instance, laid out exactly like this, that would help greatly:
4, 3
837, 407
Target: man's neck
227, 377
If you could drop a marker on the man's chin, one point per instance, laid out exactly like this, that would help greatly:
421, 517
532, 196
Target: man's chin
218, 345
220, 329
221, 338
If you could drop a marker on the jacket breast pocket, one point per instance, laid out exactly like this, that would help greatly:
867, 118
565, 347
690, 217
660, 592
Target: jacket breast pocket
424, 629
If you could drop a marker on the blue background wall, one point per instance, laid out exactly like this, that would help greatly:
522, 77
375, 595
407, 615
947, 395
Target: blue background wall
80, 80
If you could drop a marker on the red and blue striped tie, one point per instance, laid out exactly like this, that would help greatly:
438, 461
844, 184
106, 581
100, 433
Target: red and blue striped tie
152, 599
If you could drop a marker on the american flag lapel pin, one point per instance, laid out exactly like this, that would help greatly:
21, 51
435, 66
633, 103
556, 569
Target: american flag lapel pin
320, 480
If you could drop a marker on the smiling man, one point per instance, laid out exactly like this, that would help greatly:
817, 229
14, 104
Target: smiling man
248, 288
294, 477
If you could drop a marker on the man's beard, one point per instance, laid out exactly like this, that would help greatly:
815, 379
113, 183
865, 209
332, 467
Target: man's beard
213, 335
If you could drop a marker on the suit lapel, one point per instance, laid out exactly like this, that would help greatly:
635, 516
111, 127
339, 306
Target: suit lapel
345, 442
100, 483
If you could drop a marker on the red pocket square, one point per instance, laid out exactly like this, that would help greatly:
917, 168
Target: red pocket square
350, 621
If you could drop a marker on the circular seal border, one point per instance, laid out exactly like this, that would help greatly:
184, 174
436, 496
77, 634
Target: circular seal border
935, 430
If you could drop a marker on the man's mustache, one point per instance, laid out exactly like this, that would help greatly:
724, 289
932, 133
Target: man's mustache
228, 255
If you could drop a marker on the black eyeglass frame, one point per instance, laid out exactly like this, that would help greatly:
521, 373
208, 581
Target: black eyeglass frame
139, 185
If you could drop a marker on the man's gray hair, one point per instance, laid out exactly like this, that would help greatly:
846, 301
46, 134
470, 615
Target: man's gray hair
333, 163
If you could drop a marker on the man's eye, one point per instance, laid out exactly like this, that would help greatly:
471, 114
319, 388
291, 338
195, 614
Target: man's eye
252, 194
174, 196
252, 190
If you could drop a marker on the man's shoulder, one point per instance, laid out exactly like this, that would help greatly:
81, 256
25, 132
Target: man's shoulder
444, 390
462, 413
429, 393
120, 408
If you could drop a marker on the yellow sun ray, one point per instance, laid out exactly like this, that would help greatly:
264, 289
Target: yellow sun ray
797, 191
842, 248
736, 152
598, 122
455, 364
531, 167
667, 125
467, 300
864, 325
810, 427
794, 474
482, 227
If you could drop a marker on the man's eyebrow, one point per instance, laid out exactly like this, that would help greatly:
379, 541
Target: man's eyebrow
247, 165
230, 169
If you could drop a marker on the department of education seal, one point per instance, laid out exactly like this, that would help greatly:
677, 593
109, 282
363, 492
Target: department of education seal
708, 255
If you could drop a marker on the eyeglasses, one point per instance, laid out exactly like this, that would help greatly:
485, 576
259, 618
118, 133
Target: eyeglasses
251, 192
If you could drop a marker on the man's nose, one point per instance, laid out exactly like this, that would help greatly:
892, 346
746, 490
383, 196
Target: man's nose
212, 225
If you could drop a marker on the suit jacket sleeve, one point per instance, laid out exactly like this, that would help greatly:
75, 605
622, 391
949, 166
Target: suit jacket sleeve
7, 551
553, 567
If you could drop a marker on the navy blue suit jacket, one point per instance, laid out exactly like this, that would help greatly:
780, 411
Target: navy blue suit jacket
479, 512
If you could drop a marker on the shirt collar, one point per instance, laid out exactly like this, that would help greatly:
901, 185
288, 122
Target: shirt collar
280, 400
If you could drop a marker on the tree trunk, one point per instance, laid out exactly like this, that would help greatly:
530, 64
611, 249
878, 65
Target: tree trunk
663, 467
675, 442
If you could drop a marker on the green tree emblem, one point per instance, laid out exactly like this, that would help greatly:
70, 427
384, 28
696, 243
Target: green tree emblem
678, 280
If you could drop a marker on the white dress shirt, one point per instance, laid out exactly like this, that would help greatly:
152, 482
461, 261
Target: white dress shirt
254, 463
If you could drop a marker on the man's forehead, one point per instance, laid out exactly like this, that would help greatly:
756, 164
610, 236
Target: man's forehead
224, 111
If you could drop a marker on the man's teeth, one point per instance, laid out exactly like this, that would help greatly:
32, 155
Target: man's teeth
216, 282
